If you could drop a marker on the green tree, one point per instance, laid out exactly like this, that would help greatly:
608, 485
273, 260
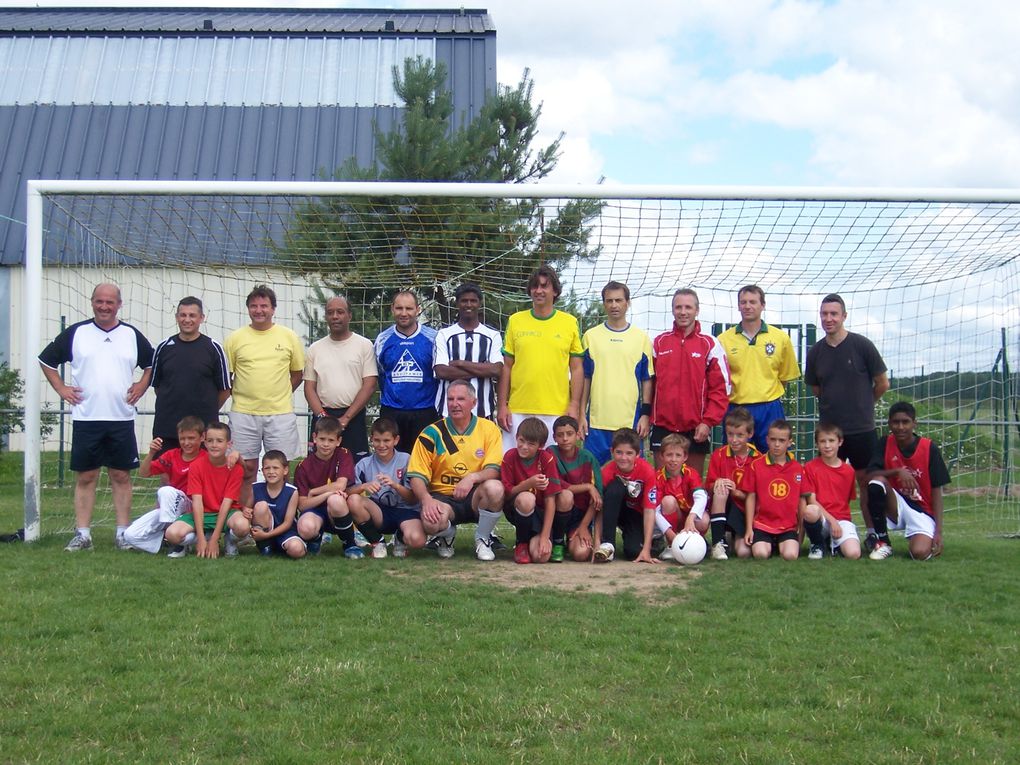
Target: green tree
368, 247
12, 416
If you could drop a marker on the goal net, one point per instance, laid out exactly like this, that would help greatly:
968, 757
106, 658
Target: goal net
931, 277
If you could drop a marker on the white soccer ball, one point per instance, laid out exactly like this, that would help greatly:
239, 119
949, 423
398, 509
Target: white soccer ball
689, 548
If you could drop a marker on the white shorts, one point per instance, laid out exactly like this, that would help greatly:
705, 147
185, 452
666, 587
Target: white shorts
849, 532
250, 432
510, 439
909, 520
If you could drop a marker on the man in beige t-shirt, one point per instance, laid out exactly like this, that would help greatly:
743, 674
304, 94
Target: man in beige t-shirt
340, 376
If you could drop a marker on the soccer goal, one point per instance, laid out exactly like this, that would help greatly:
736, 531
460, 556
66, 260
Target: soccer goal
931, 276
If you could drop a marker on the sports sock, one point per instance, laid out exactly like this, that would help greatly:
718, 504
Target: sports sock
876, 506
370, 531
814, 532
448, 533
189, 539
718, 526
85, 531
559, 527
121, 530
345, 530
487, 521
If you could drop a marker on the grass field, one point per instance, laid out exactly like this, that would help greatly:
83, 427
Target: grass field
122, 657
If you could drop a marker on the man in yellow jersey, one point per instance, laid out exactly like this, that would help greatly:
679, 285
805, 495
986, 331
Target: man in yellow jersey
454, 473
543, 372
266, 361
761, 361
617, 375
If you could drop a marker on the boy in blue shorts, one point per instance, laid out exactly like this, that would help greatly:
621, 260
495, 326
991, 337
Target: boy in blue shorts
381, 500
322, 479
581, 477
774, 488
215, 491
275, 509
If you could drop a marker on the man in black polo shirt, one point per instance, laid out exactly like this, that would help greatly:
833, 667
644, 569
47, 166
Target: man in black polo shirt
103, 353
189, 374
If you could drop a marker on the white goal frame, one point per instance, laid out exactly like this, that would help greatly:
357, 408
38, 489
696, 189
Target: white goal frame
37, 190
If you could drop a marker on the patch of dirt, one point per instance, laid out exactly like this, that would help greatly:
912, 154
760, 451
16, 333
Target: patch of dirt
662, 585
985, 491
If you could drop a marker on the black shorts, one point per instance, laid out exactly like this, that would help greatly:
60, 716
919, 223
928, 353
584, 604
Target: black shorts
574, 521
659, 433
462, 511
773, 539
103, 443
736, 520
859, 448
355, 435
410, 423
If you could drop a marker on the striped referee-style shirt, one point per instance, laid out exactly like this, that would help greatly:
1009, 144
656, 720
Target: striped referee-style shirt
481, 344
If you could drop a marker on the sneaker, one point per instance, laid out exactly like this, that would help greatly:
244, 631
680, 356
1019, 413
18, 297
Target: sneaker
399, 548
123, 544
177, 551
605, 553
496, 543
815, 553
444, 546
659, 546
882, 551
230, 545
667, 553
719, 551
326, 538
379, 549
360, 541
354, 552
314, 546
432, 543
266, 552
483, 550
559, 552
870, 541
521, 553
79, 542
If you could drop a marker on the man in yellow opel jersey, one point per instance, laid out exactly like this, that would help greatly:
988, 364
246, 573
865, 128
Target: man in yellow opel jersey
761, 361
543, 373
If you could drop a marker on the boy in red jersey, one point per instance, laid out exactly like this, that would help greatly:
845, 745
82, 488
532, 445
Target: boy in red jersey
322, 479
773, 484
531, 482
215, 491
174, 464
912, 466
680, 491
581, 476
831, 484
726, 468
629, 501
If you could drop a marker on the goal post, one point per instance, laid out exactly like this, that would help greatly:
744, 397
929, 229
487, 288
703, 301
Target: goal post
931, 275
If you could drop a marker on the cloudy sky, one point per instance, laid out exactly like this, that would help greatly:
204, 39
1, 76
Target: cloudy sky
798, 92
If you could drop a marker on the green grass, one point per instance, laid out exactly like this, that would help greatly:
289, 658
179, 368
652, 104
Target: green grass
123, 657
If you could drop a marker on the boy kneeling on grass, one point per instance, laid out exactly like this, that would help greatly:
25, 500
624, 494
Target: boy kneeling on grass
322, 479
531, 482
680, 491
215, 491
581, 477
629, 502
726, 469
830, 484
275, 509
912, 466
774, 487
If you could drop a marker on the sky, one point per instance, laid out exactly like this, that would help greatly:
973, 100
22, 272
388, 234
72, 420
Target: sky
915, 93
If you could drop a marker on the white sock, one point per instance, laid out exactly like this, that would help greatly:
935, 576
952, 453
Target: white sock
487, 521
121, 530
448, 533
189, 539
85, 531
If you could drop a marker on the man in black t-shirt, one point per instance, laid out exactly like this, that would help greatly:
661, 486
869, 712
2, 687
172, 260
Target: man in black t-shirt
189, 374
848, 376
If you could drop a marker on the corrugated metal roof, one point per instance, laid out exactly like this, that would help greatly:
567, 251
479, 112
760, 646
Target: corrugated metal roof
246, 20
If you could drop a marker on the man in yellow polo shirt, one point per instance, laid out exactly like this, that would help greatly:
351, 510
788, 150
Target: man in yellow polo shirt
543, 369
266, 363
761, 361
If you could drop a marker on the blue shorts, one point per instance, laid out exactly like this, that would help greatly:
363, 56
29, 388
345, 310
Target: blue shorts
277, 542
392, 517
764, 415
599, 443
327, 522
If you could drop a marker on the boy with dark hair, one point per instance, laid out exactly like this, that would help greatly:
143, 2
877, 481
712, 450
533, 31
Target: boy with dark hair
629, 502
913, 468
682, 497
831, 484
215, 491
774, 487
322, 480
381, 499
726, 468
531, 481
275, 509
581, 477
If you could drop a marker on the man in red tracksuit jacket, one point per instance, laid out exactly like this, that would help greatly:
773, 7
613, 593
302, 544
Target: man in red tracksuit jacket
692, 381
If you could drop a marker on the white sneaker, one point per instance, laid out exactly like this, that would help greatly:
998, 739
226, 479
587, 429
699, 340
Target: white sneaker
79, 542
667, 553
444, 546
123, 544
178, 551
815, 553
379, 549
719, 551
399, 548
483, 550
882, 551
230, 544
605, 553
359, 539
